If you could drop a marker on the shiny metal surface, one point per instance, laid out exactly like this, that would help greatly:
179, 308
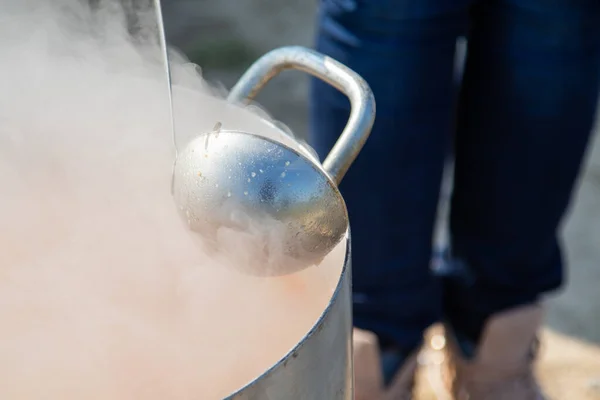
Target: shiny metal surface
320, 366
262, 179
362, 102
238, 178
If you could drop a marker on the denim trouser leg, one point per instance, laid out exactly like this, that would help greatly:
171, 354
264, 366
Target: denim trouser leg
526, 109
392, 189
528, 99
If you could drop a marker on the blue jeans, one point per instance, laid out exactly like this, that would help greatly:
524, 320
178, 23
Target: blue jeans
519, 123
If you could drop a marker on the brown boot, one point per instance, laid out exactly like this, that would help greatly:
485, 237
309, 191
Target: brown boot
368, 377
502, 368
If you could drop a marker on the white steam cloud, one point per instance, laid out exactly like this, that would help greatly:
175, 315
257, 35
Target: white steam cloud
104, 294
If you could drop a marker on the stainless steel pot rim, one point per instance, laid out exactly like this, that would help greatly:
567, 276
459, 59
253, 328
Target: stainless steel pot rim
313, 330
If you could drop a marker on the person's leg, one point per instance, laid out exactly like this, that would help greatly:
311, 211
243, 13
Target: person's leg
527, 107
405, 51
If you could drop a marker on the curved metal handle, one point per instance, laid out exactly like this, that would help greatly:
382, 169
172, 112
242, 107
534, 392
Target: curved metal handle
362, 102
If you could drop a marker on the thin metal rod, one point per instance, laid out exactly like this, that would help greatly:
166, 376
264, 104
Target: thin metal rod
165, 55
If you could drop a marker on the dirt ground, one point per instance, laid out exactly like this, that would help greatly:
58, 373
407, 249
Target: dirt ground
225, 36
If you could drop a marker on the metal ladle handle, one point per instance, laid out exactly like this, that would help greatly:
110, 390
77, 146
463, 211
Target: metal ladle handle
362, 102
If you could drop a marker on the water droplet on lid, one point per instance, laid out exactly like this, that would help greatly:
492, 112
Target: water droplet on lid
253, 174
246, 193
283, 174
216, 185
249, 179
261, 171
287, 163
228, 194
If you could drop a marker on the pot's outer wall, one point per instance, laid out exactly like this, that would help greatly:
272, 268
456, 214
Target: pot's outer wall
320, 366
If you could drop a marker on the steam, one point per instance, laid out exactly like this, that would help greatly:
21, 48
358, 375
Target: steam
103, 292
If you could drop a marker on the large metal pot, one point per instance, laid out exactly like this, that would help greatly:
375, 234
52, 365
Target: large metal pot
320, 365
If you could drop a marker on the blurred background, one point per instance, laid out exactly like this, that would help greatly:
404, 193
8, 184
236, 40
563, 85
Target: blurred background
225, 36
